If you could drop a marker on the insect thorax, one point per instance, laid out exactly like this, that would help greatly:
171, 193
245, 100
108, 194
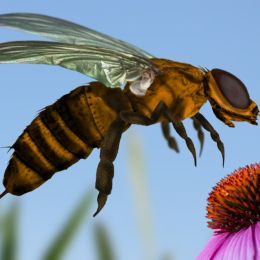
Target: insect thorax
179, 86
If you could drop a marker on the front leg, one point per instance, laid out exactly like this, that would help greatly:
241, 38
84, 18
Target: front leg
200, 134
105, 170
214, 135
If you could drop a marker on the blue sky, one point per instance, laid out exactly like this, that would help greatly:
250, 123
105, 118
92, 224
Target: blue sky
222, 34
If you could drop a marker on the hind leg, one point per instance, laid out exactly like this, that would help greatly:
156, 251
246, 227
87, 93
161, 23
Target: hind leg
108, 153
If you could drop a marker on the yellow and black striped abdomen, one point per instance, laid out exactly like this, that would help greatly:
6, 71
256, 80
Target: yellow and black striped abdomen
60, 135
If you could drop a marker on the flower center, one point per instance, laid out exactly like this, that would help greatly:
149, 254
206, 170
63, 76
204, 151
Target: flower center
234, 202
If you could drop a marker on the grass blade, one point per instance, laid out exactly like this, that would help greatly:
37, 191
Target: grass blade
168, 257
141, 197
103, 244
62, 241
9, 227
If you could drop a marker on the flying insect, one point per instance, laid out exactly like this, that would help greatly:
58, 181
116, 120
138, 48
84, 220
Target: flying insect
132, 87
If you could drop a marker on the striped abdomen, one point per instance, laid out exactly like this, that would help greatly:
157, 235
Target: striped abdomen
59, 136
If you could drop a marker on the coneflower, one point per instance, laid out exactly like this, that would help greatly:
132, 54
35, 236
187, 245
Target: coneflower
234, 213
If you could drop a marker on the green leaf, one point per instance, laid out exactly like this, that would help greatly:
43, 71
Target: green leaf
167, 256
103, 243
9, 227
139, 184
62, 241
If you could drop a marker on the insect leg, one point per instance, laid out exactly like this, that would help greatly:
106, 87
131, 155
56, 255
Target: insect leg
139, 119
161, 109
166, 133
197, 126
214, 135
180, 129
105, 170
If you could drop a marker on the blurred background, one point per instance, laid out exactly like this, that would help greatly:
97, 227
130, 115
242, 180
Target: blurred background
158, 204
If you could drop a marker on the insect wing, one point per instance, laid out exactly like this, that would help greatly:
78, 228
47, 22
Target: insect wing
67, 32
106, 65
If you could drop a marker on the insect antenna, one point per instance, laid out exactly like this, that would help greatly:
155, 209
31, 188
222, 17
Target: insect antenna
3, 193
7, 147
213, 133
204, 69
197, 126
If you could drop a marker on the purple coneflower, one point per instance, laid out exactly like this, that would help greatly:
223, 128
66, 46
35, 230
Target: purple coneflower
234, 213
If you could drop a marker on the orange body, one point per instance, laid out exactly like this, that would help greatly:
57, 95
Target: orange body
69, 129
62, 134
179, 86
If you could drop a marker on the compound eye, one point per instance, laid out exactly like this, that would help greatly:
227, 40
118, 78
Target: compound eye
232, 88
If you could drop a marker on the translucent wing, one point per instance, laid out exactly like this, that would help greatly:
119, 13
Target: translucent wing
67, 32
108, 66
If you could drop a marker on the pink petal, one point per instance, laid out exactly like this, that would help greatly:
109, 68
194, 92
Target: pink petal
257, 240
242, 245
213, 245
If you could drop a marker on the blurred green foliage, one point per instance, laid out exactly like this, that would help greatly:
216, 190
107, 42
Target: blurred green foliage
58, 247
61, 243
9, 234
104, 248
142, 203
103, 243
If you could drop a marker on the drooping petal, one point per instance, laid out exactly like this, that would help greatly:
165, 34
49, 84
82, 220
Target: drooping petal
213, 246
257, 240
241, 245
